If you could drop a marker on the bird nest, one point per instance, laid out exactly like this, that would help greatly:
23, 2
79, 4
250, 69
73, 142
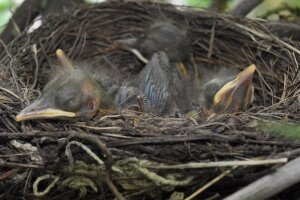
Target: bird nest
133, 154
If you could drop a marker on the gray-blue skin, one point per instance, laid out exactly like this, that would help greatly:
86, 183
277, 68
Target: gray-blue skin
167, 46
158, 84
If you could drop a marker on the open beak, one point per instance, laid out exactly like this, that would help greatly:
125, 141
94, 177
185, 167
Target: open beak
237, 93
188, 70
183, 70
39, 110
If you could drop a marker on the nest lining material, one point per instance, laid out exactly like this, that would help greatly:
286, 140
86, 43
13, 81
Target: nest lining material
90, 34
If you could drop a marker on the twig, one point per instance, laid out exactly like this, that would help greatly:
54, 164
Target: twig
108, 163
29, 174
115, 135
34, 51
136, 52
211, 124
211, 40
109, 117
268, 37
36, 191
220, 164
139, 55
271, 184
12, 71
194, 121
9, 173
160, 180
85, 148
9, 92
19, 165
283, 96
202, 135
141, 103
110, 129
210, 183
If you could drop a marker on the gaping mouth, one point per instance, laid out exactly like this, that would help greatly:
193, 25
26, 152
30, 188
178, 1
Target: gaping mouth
243, 81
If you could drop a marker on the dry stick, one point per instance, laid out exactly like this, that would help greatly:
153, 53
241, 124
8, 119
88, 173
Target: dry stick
108, 163
271, 184
15, 80
25, 189
244, 7
289, 154
211, 40
9, 92
220, 164
110, 129
139, 55
268, 37
9, 173
296, 62
136, 52
141, 103
19, 165
284, 88
12, 71
210, 183
201, 135
36, 71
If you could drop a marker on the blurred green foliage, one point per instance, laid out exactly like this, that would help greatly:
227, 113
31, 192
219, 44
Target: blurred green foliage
282, 129
197, 3
207, 3
269, 7
5, 6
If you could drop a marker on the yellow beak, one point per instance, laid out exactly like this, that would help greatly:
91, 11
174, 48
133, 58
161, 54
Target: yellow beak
237, 93
36, 110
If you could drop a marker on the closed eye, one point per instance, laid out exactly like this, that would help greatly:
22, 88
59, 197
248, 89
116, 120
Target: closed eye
68, 101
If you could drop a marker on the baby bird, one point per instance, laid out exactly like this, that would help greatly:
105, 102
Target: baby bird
229, 93
168, 37
158, 84
76, 93
173, 40
73, 93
